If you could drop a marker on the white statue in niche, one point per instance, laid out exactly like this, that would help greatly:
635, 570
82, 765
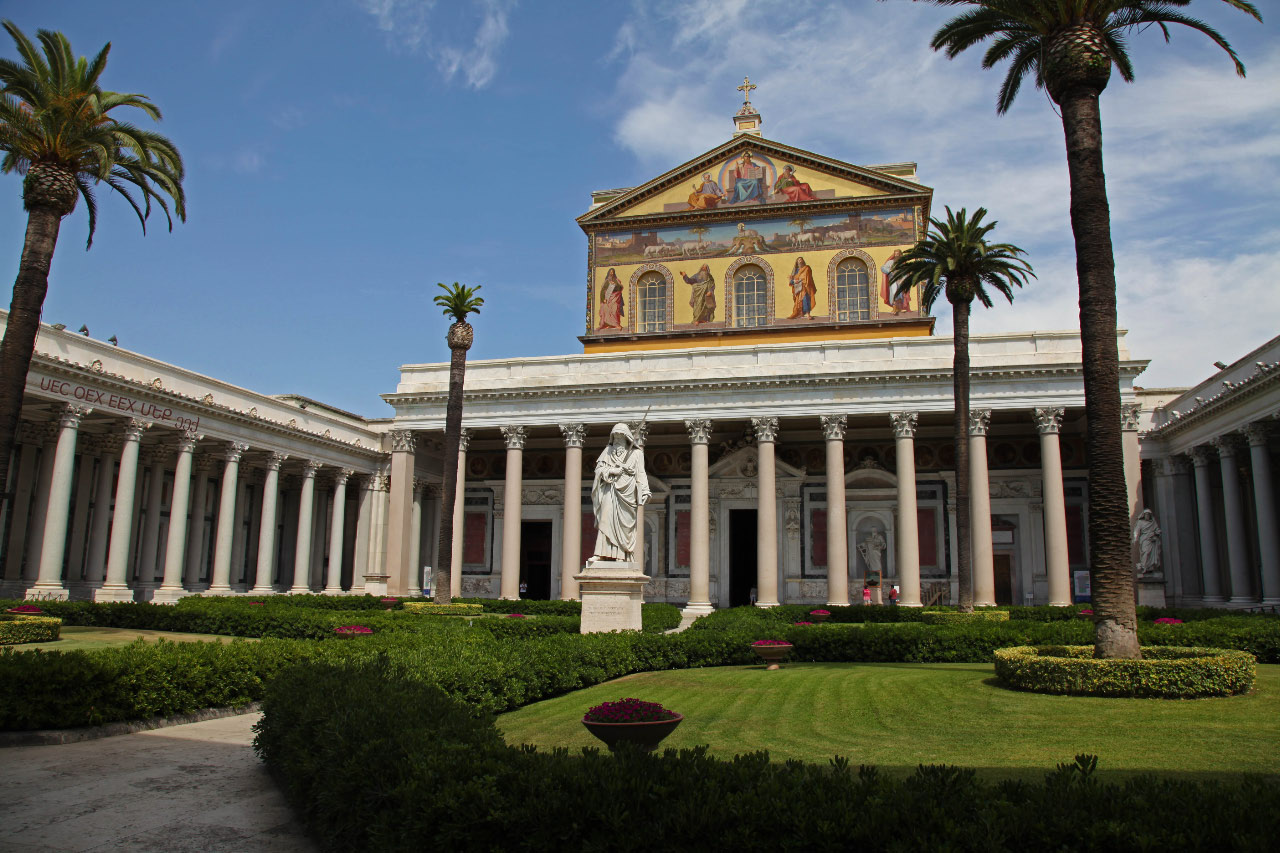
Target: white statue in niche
872, 550
620, 488
1146, 535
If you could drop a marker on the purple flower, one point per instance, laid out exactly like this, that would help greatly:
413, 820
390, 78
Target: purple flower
628, 710
515, 616
1167, 620
771, 643
800, 624
819, 612
350, 630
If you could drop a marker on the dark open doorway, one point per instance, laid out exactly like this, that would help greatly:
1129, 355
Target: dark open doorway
742, 556
1004, 578
535, 559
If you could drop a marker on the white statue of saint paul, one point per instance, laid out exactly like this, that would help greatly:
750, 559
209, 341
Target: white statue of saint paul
619, 489
1146, 535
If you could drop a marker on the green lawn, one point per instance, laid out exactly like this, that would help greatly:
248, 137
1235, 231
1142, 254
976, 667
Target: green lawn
901, 715
86, 637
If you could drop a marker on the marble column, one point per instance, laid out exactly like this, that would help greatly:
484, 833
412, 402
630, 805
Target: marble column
833, 429
302, 549
333, 583
908, 534
699, 519
224, 538
1129, 417
1210, 573
100, 523
239, 544
766, 430
203, 466
78, 542
176, 547
1264, 500
375, 572
148, 553
984, 569
640, 431
512, 501
1233, 510
571, 541
116, 587
49, 580
415, 539
399, 519
31, 437
364, 523
1058, 564
459, 517
40, 502
267, 526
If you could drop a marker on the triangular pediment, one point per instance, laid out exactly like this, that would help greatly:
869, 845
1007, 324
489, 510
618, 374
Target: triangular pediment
746, 175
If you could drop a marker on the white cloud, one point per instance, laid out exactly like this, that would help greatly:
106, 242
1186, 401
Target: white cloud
414, 25
1192, 152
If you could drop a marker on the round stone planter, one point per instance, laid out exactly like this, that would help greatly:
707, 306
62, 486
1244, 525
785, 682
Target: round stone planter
773, 655
819, 617
645, 735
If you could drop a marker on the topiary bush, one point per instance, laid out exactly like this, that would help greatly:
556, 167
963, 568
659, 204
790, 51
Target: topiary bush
422, 608
1166, 672
17, 628
951, 617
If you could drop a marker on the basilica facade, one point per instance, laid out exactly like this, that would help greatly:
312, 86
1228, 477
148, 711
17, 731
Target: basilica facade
796, 416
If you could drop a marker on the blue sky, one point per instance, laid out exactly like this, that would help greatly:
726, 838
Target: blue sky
343, 156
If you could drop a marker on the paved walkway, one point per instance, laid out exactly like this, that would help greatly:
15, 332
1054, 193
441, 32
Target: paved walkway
195, 788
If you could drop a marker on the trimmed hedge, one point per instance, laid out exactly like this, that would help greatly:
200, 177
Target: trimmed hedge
1166, 672
16, 628
951, 617
412, 769
421, 608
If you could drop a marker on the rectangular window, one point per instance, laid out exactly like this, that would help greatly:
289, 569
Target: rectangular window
475, 530
682, 539
651, 293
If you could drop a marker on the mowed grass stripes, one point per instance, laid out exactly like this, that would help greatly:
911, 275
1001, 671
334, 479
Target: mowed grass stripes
900, 715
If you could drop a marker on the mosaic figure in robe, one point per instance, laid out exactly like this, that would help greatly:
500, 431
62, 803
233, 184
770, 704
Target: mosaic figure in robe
790, 186
903, 302
611, 304
803, 290
747, 180
706, 195
702, 298
619, 489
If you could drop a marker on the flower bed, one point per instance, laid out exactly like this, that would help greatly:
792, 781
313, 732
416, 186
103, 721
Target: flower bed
352, 630
422, 608
1166, 672
629, 710
950, 617
17, 628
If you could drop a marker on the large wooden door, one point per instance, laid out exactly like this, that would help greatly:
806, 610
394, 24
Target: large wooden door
1004, 578
535, 559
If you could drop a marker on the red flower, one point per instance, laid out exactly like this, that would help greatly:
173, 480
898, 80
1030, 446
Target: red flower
819, 612
771, 643
1086, 612
349, 630
26, 609
1167, 620
628, 711
515, 615
798, 624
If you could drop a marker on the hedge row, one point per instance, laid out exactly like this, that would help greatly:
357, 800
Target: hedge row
952, 617
16, 629
405, 767
1165, 672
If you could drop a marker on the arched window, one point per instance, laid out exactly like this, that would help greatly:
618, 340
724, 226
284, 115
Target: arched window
750, 297
853, 292
651, 303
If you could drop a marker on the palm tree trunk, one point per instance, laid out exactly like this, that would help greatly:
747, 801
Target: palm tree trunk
24, 323
1115, 619
452, 440
960, 383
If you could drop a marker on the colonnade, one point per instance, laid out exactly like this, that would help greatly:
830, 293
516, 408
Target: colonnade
767, 431
116, 531
1244, 587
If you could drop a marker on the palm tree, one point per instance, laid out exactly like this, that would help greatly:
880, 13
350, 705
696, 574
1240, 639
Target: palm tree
700, 231
955, 258
457, 301
1068, 48
57, 131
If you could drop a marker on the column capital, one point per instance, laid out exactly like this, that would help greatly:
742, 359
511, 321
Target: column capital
1171, 465
204, 463
640, 431
419, 485
157, 454
766, 429
36, 433
833, 427
309, 469
402, 441
275, 459
71, 415
1256, 434
979, 421
514, 436
341, 476
575, 435
1225, 445
904, 424
464, 439
234, 451
1048, 419
699, 430
109, 444
134, 429
187, 440
1129, 413
1201, 456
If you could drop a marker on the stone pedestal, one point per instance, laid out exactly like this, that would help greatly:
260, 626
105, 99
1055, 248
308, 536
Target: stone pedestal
1151, 592
376, 584
612, 592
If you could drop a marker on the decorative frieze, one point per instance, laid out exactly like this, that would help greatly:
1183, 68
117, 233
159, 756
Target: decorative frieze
1048, 420
766, 428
